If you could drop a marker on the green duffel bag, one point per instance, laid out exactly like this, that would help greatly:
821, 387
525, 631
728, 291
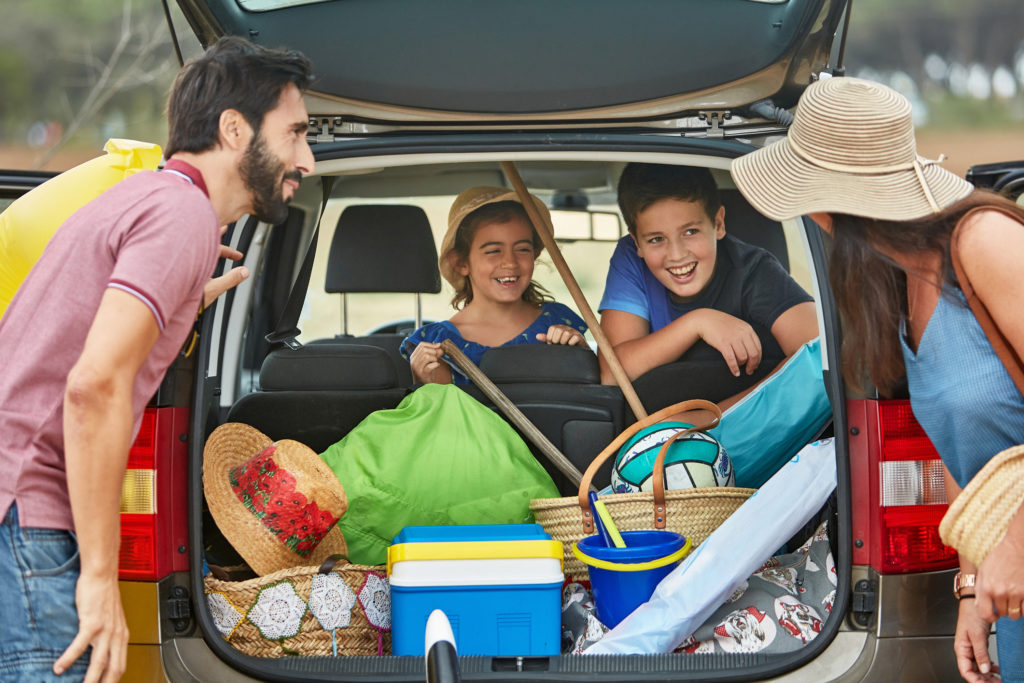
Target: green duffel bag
439, 458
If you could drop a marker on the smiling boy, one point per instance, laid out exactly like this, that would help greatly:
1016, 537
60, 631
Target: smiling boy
678, 280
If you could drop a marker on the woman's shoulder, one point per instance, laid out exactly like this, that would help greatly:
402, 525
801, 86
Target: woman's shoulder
987, 232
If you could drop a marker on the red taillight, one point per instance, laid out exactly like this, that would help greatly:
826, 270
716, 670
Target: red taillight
153, 522
899, 492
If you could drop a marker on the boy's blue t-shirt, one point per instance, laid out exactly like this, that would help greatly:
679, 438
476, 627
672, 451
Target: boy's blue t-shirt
551, 313
748, 283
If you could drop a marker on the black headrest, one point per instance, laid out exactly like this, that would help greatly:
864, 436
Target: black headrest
383, 248
327, 367
747, 224
535, 363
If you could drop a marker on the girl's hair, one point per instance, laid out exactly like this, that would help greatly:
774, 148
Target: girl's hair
870, 288
498, 212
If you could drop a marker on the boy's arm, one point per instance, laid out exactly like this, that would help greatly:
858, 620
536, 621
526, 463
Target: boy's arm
640, 350
795, 327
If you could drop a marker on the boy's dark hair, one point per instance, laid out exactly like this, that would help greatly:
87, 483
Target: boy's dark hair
232, 74
498, 212
641, 185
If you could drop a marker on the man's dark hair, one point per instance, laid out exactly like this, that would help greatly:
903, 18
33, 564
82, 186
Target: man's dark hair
641, 185
232, 74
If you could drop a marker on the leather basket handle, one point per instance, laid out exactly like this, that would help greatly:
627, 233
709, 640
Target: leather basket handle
613, 448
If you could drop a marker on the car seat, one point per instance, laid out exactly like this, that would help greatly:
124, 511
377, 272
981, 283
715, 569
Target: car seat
558, 388
382, 248
317, 393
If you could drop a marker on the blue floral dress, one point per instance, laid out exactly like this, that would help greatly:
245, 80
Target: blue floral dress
551, 313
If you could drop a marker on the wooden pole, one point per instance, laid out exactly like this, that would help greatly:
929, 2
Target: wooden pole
547, 236
509, 409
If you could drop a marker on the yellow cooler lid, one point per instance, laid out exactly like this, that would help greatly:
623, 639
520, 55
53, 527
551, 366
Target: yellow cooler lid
475, 550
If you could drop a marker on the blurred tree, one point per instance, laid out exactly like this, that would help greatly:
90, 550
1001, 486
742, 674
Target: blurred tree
77, 72
887, 36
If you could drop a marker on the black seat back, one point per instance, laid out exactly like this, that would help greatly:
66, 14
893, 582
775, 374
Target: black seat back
317, 393
749, 225
383, 248
559, 390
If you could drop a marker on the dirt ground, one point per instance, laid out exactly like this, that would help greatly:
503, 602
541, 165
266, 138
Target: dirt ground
963, 148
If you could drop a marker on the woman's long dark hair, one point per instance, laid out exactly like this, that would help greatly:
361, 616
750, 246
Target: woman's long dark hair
870, 288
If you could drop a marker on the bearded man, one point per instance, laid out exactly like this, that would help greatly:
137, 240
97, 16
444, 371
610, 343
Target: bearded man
95, 325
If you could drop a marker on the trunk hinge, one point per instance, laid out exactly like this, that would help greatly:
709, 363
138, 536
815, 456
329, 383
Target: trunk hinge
864, 602
331, 128
714, 120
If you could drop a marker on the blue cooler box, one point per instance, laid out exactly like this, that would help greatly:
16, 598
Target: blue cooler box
499, 585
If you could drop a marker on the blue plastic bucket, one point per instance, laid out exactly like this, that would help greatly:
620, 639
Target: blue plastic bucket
624, 578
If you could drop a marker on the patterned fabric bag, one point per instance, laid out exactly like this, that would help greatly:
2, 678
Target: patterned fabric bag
780, 608
332, 610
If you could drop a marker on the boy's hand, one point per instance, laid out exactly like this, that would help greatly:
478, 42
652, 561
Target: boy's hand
734, 339
561, 334
426, 364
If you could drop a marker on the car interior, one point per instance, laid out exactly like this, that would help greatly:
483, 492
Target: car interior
375, 279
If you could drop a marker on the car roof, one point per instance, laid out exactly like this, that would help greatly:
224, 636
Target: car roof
575, 60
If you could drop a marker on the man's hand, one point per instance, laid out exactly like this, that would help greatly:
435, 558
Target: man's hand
234, 277
734, 339
102, 625
970, 645
561, 334
427, 366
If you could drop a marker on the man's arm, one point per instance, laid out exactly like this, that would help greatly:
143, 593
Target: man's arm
98, 422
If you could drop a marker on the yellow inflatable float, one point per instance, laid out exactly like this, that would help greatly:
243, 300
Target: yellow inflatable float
29, 222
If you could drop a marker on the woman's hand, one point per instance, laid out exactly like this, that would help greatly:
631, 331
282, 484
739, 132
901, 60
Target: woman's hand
735, 339
1000, 578
561, 334
427, 366
970, 645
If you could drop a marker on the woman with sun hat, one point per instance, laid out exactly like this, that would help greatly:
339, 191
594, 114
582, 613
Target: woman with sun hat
850, 162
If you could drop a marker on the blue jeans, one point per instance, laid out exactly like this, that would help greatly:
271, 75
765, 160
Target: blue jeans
1010, 643
38, 572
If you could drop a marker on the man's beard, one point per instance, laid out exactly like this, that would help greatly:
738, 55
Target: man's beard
263, 176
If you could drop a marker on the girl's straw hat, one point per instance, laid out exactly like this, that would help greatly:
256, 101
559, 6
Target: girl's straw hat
850, 150
466, 203
979, 517
277, 503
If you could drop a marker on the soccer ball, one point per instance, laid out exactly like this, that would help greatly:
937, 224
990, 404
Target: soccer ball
692, 461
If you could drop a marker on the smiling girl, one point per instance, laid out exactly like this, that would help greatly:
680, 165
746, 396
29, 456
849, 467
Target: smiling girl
488, 256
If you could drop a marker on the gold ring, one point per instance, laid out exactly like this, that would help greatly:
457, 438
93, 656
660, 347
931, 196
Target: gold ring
1014, 610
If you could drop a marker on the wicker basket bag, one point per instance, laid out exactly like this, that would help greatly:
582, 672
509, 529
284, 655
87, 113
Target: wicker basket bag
694, 513
333, 610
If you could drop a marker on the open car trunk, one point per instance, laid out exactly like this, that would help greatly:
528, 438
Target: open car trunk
576, 412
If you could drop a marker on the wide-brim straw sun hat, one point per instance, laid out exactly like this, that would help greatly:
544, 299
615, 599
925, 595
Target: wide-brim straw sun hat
850, 150
466, 203
978, 519
276, 503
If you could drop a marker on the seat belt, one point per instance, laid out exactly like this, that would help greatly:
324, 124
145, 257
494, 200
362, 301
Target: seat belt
287, 326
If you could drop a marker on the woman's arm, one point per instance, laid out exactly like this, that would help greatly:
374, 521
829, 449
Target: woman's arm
970, 643
991, 247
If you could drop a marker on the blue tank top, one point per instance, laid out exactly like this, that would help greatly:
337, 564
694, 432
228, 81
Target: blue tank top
960, 391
